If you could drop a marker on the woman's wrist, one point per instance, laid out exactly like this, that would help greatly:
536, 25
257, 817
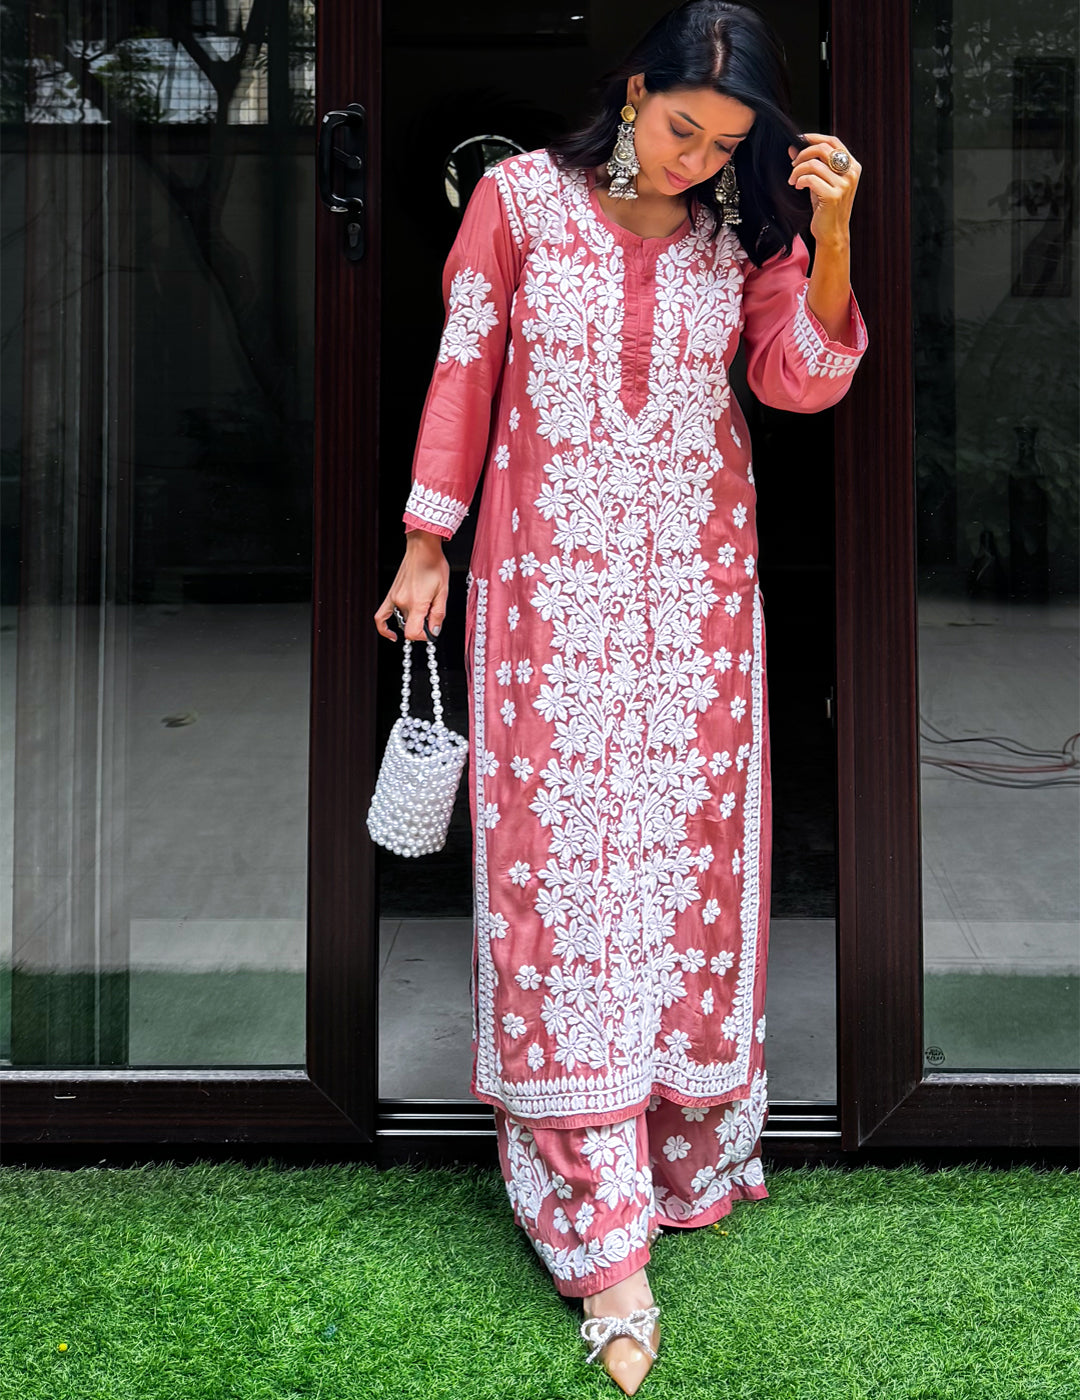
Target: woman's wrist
424, 539
828, 296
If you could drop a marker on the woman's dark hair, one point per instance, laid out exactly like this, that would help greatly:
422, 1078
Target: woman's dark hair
732, 49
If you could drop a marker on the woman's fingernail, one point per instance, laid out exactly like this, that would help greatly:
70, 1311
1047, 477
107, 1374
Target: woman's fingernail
436, 630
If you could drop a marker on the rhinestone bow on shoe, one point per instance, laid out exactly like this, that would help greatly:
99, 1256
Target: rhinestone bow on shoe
598, 1331
605, 1334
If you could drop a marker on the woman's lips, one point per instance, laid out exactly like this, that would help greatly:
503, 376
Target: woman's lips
679, 184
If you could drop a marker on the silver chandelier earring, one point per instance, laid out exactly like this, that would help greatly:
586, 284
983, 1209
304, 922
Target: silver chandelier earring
623, 165
727, 193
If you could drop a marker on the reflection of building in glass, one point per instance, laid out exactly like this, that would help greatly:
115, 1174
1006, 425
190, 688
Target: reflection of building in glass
222, 59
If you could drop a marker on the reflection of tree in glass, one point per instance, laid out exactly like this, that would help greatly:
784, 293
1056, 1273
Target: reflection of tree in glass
972, 64
1016, 360
91, 65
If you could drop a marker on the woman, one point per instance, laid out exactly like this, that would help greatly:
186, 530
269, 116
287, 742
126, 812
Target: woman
615, 655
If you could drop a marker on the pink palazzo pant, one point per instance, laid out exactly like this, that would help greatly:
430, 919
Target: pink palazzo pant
589, 1198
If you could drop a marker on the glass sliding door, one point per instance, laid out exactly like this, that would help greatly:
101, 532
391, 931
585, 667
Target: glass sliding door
996, 282
158, 386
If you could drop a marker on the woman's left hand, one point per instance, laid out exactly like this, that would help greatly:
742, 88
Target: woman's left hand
831, 195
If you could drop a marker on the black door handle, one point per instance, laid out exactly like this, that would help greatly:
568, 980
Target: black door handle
346, 161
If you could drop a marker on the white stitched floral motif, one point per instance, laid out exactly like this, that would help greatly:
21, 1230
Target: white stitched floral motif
616, 643
612, 1153
820, 360
468, 317
435, 508
626, 499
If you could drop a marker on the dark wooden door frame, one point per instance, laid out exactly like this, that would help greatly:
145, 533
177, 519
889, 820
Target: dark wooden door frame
334, 1098
885, 1099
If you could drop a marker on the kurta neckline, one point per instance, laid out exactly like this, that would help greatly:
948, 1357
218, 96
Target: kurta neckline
627, 235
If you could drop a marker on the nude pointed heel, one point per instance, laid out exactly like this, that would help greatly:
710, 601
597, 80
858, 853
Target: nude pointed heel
629, 1345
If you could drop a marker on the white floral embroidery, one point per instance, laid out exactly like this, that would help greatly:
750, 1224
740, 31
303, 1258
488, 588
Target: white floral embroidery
738, 707
508, 711
535, 1056
515, 519
528, 977
502, 456
721, 963
746, 660
524, 671
504, 672
759, 1030
737, 1166
491, 814
727, 805
513, 1025
749, 564
621, 586
694, 1113
434, 508
468, 318
738, 514
520, 872
529, 1185
584, 1218
821, 360
507, 569
707, 1001
726, 554
676, 1148
514, 420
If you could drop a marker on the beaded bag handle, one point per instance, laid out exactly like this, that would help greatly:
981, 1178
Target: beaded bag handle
406, 676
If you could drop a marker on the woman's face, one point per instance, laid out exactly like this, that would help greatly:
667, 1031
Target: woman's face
687, 133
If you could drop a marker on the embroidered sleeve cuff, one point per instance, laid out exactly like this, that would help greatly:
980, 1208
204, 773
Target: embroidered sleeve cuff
431, 510
828, 358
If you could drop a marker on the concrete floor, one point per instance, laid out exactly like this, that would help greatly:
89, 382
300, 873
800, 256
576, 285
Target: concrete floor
216, 860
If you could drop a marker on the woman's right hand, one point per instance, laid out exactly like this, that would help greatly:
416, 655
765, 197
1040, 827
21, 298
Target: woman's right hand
420, 589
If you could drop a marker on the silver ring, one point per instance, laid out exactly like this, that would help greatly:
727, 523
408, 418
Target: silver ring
839, 161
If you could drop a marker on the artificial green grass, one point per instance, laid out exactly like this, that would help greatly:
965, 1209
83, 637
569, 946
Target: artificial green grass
224, 1282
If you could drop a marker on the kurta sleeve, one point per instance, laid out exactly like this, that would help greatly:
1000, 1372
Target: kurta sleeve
790, 361
479, 279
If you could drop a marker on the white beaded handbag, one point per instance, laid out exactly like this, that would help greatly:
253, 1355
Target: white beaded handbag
419, 775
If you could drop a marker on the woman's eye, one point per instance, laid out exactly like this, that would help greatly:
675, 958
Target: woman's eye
676, 132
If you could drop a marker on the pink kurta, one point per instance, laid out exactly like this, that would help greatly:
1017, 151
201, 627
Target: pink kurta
615, 648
